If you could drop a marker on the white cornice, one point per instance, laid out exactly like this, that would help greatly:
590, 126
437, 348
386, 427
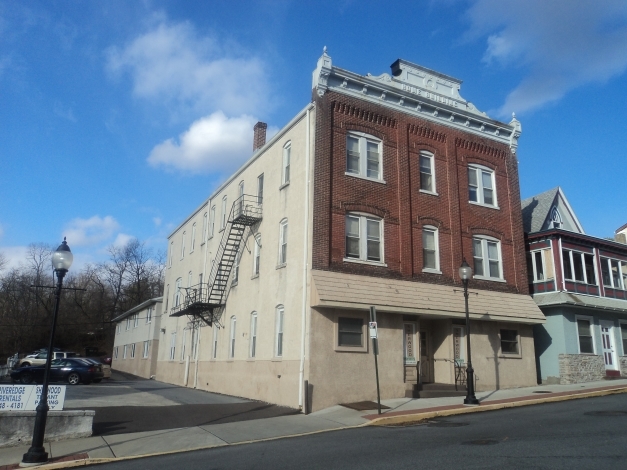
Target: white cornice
417, 91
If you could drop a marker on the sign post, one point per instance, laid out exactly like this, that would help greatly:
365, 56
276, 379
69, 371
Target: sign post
375, 348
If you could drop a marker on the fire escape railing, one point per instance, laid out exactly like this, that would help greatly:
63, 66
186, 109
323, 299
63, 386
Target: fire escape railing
204, 300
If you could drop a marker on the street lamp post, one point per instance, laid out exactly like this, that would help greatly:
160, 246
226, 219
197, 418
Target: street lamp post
465, 273
61, 261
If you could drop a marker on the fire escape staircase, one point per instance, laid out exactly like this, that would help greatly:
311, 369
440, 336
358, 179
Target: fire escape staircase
206, 301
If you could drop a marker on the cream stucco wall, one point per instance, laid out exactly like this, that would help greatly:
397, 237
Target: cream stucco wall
265, 377
144, 331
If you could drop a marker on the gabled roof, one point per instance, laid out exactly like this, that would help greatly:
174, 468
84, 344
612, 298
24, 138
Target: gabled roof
621, 228
137, 308
536, 211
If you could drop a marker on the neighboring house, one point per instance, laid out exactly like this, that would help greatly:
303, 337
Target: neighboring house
372, 195
621, 234
136, 343
580, 284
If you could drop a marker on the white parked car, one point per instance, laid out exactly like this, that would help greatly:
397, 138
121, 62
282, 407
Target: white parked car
40, 358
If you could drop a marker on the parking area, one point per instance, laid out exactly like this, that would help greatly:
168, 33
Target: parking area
126, 404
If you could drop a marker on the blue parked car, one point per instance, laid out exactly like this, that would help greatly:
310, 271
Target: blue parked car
72, 371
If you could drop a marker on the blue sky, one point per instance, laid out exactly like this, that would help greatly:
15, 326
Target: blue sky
118, 118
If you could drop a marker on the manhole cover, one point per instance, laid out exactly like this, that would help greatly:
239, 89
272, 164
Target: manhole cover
542, 391
481, 442
606, 413
445, 424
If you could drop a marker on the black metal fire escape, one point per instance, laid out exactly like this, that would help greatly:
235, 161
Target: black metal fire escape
205, 301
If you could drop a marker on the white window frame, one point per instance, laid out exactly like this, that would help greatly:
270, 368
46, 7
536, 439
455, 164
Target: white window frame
621, 274
132, 350
485, 260
214, 343
115, 352
183, 344
183, 245
128, 323
205, 228
287, 157
236, 266
252, 349
479, 170
257, 256
279, 339
283, 242
118, 330
177, 292
436, 239
173, 345
363, 240
146, 349
149, 315
260, 189
193, 245
224, 214
212, 221
136, 320
240, 196
124, 350
591, 320
582, 255
431, 158
362, 146
232, 337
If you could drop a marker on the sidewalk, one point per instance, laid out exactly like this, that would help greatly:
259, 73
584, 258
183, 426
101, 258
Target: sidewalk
402, 410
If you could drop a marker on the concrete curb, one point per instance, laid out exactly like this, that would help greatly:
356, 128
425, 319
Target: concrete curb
416, 417
383, 421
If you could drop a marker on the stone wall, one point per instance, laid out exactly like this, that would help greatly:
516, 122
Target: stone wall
577, 368
16, 427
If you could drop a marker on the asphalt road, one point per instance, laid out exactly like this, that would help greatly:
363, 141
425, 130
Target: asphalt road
579, 434
126, 404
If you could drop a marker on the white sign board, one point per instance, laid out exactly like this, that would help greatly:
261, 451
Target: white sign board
26, 397
373, 329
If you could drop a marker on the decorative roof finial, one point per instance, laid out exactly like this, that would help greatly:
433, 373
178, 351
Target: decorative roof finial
324, 50
513, 115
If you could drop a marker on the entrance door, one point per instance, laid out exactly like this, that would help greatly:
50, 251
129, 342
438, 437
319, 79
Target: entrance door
607, 337
425, 357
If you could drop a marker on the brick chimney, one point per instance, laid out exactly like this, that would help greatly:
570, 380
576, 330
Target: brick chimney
259, 137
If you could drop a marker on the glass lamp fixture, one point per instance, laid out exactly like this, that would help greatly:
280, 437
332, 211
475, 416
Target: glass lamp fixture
62, 258
465, 271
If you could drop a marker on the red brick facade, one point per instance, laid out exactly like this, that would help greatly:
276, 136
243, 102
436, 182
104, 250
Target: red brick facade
404, 209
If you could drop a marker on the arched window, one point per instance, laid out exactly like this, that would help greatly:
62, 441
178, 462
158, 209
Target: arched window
224, 214
177, 292
232, 338
191, 248
556, 218
364, 237
283, 242
257, 255
430, 249
363, 156
183, 245
287, 156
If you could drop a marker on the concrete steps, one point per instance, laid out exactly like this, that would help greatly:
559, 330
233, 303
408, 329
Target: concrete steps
435, 390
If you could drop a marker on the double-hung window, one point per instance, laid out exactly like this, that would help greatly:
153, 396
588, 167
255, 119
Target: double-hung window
149, 315
172, 346
280, 315
614, 273
283, 242
183, 245
124, 352
253, 334
363, 156
115, 352
257, 255
578, 267
191, 248
238, 258
133, 351
486, 253
205, 225
364, 238
260, 189
509, 341
287, 156
430, 250
350, 332
212, 221
584, 332
177, 293
224, 214
481, 185
427, 172
136, 320
128, 323
146, 348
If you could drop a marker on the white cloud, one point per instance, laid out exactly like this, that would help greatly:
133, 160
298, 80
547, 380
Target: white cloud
14, 255
122, 239
560, 44
96, 229
173, 63
157, 221
214, 143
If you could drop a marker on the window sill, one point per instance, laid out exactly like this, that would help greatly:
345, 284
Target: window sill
367, 178
255, 276
432, 271
362, 261
354, 349
484, 205
250, 359
234, 283
277, 359
485, 278
202, 243
510, 356
424, 191
280, 266
284, 185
